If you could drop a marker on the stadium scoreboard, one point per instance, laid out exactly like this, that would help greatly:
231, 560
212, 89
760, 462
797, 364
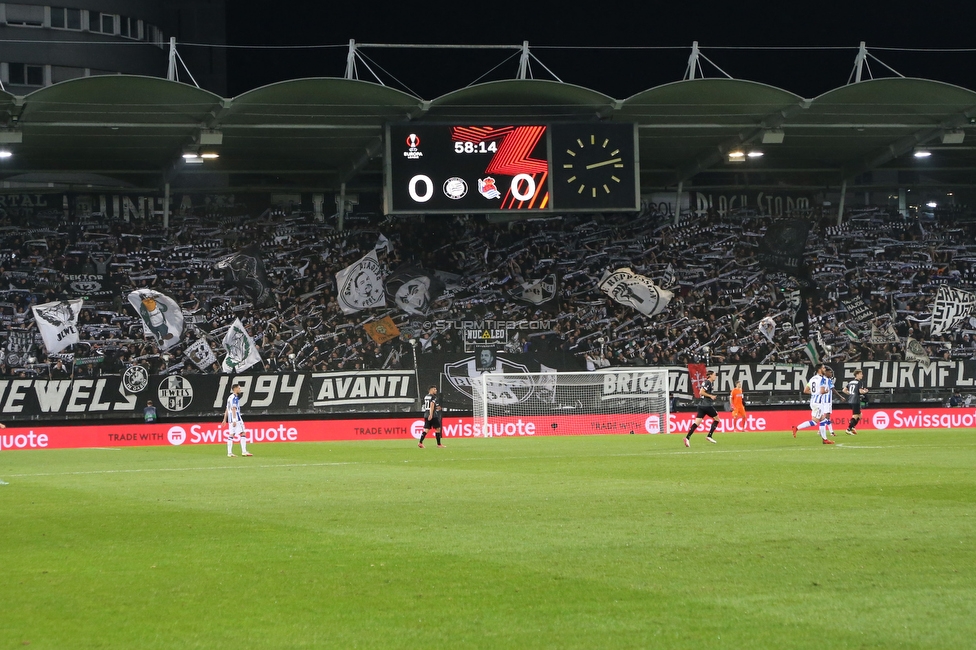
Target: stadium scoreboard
532, 168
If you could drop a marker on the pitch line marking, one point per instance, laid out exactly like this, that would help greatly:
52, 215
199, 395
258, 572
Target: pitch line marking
810, 448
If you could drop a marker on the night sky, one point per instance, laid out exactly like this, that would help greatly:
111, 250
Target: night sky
562, 34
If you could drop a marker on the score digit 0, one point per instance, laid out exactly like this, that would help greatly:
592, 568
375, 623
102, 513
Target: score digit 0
530, 187
412, 188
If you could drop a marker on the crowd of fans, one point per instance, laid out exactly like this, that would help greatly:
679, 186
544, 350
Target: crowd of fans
721, 293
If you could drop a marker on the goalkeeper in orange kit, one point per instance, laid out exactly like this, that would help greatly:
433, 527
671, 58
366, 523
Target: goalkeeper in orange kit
738, 407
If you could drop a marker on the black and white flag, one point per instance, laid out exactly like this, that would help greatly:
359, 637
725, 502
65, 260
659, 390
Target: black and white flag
360, 285
542, 293
880, 337
20, 346
915, 351
951, 306
857, 309
247, 270
634, 290
767, 327
58, 323
781, 248
200, 353
670, 277
413, 289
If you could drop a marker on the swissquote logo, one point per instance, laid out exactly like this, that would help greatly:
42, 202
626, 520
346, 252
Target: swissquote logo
176, 435
516, 388
880, 420
175, 393
416, 429
653, 424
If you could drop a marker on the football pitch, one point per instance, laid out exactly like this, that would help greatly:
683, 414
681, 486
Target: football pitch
760, 541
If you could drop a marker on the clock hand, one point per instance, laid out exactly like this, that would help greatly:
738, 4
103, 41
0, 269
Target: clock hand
605, 162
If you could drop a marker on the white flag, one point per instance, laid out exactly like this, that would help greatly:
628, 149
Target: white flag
767, 327
200, 354
240, 348
915, 351
360, 285
162, 318
383, 244
634, 290
951, 306
58, 323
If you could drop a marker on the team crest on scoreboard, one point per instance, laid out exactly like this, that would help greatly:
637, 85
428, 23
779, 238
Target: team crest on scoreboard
455, 188
487, 189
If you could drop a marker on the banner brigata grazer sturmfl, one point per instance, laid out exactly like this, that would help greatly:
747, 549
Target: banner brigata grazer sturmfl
398, 391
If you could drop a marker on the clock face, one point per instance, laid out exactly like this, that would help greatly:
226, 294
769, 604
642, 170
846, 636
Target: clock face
594, 167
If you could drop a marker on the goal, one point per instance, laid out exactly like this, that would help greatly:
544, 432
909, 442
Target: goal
615, 400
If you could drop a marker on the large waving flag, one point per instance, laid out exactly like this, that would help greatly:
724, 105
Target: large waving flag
162, 318
542, 293
951, 306
241, 351
413, 289
634, 290
58, 323
360, 285
247, 270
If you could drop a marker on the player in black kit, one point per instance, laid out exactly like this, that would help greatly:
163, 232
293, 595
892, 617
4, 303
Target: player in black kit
705, 407
432, 416
854, 390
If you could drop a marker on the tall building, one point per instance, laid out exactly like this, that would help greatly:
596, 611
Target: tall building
43, 44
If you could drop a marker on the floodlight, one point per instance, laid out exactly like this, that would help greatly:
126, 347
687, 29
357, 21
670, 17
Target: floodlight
755, 154
932, 204
210, 155
920, 153
5, 154
737, 156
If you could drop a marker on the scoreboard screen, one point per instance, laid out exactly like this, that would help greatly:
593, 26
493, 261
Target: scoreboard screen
433, 168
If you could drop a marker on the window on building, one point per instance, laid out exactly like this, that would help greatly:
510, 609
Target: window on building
30, 15
62, 18
23, 74
103, 23
129, 27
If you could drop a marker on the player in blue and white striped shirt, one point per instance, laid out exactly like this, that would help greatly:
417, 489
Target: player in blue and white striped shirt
819, 388
235, 423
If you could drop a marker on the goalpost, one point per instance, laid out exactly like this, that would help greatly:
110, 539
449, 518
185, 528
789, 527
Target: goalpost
613, 400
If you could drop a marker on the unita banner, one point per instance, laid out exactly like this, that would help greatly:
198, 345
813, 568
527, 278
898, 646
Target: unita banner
409, 429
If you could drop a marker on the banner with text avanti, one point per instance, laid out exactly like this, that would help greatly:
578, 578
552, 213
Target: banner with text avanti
399, 391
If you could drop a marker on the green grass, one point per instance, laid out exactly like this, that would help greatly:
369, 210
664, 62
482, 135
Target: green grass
589, 542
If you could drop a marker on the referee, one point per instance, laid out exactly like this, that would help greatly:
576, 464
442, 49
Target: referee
705, 407
854, 390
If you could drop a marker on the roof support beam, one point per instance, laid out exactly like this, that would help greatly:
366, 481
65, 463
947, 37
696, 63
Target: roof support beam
712, 157
904, 145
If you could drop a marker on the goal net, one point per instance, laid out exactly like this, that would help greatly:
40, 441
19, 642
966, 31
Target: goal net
616, 400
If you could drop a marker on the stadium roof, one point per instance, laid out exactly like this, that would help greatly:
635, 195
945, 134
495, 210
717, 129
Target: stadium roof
126, 131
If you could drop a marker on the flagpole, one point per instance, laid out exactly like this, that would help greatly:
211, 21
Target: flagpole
416, 372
